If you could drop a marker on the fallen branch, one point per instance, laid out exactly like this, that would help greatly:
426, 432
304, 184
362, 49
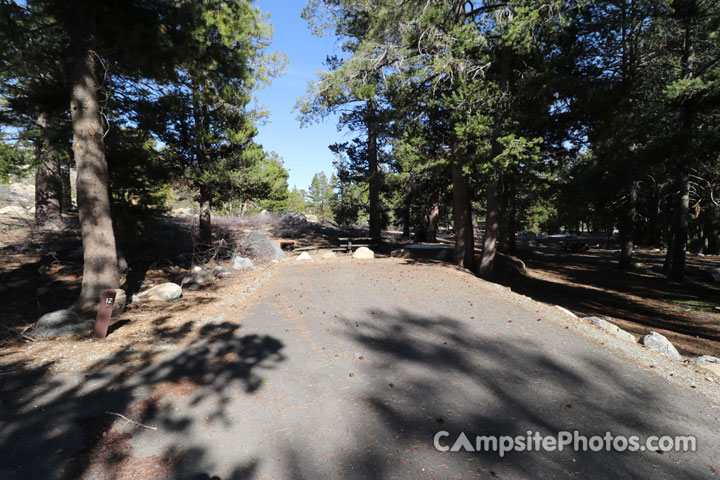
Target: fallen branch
131, 421
18, 335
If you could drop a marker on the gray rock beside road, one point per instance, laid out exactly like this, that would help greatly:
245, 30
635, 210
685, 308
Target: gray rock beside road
62, 323
707, 362
120, 300
242, 263
661, 344
160, 293
15, 211
611, 328
258, 245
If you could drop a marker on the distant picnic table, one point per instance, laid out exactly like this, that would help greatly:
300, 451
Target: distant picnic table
347, 243
578, 243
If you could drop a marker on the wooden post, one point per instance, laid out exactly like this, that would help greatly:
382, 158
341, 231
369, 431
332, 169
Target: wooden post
105, 310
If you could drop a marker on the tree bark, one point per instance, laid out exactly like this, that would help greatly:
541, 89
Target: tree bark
432, 225
492, 227
100, 269
680, 234
66, 199
48, 178
205, 216
711, 230
627, 228
373, 175
682, 208
464, 239
406, 222
507, 218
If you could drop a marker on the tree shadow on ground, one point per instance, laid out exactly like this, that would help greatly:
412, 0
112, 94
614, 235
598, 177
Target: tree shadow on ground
590, 284
436, 374
65, 426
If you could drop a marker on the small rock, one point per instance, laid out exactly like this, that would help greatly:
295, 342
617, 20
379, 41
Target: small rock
714, 274
61, 323
400, 253
329, 254
120, 300
658, 342
509, 265
94, 358
611, 328
14, 210
363, 253
219, 269
242, 263
708, 362
197, 268
304, 256
194, 287
162, 293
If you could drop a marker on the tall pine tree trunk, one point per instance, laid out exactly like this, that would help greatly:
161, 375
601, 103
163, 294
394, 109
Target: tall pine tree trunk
205, 216
464, 239
373, 175
406, 221
492, 227
627, 227
711, 230
100, 269
66, 199
432, 225
48, 178
682, 207
201, 157
680, 231
507, 214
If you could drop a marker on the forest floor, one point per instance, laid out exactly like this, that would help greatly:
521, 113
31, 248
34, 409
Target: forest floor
590, 284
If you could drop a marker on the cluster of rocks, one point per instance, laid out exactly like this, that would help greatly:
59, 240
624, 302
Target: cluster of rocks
655, 341
201, 277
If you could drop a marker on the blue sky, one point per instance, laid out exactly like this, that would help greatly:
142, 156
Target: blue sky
304, 150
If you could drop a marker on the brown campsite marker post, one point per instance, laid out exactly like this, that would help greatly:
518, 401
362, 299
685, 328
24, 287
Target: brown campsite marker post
105, 310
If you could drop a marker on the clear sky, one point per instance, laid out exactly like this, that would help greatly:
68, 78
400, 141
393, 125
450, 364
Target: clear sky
305, 151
